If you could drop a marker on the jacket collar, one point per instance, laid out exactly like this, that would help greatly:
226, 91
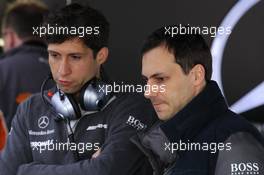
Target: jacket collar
204, 108
27, 44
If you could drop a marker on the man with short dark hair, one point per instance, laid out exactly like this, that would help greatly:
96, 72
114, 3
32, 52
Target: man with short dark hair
197, 134
24, 64
77, 127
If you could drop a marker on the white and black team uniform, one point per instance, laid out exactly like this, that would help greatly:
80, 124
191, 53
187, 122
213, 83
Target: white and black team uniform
34, 130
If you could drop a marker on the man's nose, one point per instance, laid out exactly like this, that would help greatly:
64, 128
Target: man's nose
64, 68
150, 92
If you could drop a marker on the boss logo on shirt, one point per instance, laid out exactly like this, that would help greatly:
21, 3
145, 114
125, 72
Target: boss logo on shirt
135, 123
244, 168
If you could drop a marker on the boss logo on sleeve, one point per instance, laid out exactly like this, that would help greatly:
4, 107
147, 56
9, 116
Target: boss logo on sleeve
244, 168
135, 123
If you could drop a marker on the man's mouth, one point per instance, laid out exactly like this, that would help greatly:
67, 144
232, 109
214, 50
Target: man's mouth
65, 83
157, 105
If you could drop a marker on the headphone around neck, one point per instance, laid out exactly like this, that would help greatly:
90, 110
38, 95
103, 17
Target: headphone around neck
93, 97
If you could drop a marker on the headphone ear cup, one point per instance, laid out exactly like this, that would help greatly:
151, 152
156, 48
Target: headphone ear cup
75, 106
93, 96
87, 92
65, 106
82, 92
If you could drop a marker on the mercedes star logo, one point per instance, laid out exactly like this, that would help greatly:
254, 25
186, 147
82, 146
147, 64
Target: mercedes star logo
43, 122
254, 98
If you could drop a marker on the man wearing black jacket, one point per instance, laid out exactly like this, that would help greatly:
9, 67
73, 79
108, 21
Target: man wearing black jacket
197, 134
75, 127
24, 64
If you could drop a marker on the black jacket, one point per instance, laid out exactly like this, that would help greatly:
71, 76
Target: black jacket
22, 71
204, 138
109, 130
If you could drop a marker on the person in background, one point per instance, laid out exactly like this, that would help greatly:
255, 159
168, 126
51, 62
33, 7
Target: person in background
24, 65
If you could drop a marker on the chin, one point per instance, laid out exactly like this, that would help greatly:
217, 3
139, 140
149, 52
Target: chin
68, 91
163, 116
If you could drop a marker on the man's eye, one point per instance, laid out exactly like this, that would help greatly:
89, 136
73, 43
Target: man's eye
76, 57
160, 79
53, 55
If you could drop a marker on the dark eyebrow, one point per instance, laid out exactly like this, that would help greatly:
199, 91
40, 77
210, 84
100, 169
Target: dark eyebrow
77, 53
152, 76
74, 53
156, 75
52, 51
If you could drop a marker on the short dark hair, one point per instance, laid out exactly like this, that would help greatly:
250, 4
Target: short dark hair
22, 16
188, 49
75, 15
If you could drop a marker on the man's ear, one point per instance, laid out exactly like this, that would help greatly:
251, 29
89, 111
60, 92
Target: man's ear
12, 40
198, 74
102, 55
8, 39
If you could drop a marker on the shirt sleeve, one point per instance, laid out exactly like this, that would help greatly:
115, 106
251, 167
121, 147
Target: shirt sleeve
246, 156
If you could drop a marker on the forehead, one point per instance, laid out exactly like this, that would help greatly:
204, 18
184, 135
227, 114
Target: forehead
68, 46
157, 60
